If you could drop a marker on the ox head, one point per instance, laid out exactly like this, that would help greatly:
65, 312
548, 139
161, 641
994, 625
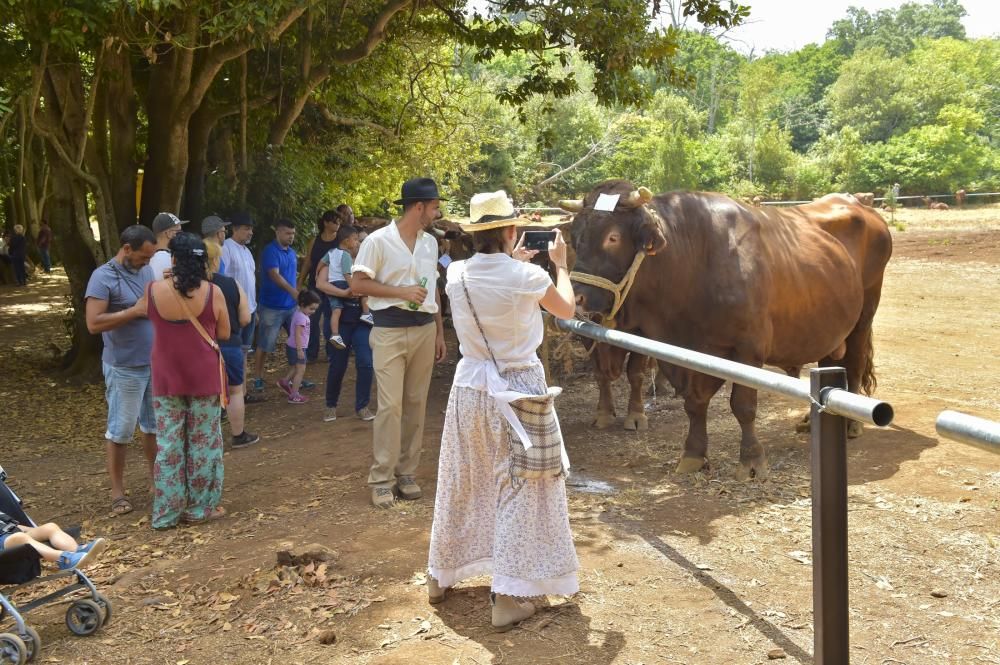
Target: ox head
606, 243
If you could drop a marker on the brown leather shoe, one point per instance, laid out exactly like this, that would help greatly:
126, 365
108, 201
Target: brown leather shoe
407, 488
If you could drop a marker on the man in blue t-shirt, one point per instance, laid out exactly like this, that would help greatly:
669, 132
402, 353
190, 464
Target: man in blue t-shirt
116, 308
276, 304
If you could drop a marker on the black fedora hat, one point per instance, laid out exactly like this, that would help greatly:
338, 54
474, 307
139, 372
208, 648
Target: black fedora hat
419, 189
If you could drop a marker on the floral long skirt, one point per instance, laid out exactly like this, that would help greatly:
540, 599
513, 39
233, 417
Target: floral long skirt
483, 523
188, 471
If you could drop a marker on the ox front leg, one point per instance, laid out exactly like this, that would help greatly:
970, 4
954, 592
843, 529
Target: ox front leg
605, 403
701, 388
753, 459
636, 419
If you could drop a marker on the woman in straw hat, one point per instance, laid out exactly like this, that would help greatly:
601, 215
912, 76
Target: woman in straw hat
486, 519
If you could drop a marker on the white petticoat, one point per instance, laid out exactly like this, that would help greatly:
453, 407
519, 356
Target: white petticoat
482, 524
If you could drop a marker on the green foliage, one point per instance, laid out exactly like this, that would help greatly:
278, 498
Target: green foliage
897, 30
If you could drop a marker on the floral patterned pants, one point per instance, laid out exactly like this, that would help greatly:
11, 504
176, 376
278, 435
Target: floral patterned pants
188, 471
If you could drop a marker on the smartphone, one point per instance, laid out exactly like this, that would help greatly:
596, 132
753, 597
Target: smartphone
539, 240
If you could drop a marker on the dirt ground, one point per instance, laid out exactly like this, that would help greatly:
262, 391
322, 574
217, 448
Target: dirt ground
695, 569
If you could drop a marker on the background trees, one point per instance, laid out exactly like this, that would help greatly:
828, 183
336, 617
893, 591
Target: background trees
287, 107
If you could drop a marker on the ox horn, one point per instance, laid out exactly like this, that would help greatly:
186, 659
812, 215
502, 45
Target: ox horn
638, 197
571, 205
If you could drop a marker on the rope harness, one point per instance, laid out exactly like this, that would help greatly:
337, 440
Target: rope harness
620, 290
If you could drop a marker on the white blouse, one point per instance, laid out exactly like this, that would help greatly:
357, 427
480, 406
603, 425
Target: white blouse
505, 293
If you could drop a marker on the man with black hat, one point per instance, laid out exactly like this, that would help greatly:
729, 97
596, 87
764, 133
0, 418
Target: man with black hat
213, 229
396, 268
165, 226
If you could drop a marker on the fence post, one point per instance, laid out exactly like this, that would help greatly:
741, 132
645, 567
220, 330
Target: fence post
831, 642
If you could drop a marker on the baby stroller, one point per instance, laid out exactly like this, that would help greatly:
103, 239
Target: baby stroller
21, 567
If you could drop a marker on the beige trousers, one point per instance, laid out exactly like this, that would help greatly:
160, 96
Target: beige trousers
403, 359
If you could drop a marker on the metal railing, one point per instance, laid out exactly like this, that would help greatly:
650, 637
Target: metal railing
971, 430
830, 407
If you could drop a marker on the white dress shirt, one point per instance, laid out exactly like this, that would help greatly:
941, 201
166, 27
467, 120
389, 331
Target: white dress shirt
240, 266
384, 257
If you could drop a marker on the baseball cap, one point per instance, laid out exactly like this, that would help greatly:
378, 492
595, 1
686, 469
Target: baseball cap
212, 224
166, 220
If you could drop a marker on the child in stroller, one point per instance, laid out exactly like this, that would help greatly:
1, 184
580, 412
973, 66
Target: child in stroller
22, 548
60, 548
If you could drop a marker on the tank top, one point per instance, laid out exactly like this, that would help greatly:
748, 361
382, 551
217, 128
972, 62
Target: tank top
319, 250
183, 362
232, 295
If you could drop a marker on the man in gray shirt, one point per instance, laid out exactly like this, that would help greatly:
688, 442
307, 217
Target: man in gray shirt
116, 308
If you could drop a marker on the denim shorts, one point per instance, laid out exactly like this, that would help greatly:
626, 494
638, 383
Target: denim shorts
5, 536
293, 356
270, 323
129, 393
336, 302
233, 355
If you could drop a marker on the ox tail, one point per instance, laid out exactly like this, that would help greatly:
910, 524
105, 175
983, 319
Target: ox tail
868, 380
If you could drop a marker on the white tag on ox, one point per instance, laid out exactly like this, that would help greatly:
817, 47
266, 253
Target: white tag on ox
607, 202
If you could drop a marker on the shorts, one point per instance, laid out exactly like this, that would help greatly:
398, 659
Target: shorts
129, 393
5, 536
233, 355
270, 323
246, 334
336, 302
293, 356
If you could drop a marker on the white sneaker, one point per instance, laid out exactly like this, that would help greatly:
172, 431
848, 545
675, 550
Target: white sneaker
368, 318
338, 341
330, 414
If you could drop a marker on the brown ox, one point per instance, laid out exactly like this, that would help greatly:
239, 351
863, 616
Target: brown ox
934, 205
784, 287
865, 198
608, 362
960, 198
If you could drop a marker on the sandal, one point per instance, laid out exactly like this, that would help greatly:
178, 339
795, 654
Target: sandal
217, 513
121, 506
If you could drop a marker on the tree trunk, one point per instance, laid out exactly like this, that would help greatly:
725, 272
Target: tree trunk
199, 133
65, 118
122, 120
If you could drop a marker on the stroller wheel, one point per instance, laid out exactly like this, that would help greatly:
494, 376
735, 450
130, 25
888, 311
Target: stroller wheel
12, 650
105, 604
84, 617
32, 641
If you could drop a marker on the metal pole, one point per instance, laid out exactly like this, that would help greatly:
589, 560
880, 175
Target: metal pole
858, 407
831, 642
969, 429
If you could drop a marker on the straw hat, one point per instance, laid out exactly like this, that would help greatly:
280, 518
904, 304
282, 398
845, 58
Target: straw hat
494, 210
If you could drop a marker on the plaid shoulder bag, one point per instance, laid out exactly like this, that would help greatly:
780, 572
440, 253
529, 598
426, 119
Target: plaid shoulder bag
542, 458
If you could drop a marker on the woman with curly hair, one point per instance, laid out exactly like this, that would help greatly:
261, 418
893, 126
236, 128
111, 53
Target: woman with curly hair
187, 385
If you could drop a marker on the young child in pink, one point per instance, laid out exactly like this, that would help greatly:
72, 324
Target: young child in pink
295, 347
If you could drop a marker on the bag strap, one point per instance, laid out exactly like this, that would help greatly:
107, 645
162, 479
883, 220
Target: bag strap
224, 394
194, 320
478, 324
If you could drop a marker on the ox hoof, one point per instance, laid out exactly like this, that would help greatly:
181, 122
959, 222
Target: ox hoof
604, 420
854, 429
636, 422
691, 464
755, 469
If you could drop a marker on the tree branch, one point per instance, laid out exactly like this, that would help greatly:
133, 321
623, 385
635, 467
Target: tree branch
220, 54
375, 36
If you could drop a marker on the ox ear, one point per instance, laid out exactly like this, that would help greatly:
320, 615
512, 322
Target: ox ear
650, 232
